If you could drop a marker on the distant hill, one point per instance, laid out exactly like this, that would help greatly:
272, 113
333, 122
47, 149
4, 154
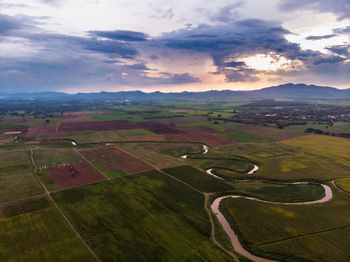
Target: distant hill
294, 91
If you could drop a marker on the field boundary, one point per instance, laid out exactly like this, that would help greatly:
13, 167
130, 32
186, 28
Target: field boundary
302, 235
57, 207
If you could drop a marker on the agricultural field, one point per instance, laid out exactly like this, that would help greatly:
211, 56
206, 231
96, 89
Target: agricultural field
341, 127
16, 176
141, 182
139, 217
292, 230
114, 162
33, 230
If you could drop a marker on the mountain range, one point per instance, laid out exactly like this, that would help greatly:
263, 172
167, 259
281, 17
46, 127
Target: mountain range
292, 91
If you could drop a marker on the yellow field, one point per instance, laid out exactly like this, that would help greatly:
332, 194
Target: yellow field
343, 183
335, 148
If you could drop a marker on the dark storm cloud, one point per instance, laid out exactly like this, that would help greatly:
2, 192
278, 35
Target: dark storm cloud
339, 50
9, 23
109, 47
139, 66
70, 61
124, 35
344, 30
226, 43
329, 60
234, 64
339, 7
320, 37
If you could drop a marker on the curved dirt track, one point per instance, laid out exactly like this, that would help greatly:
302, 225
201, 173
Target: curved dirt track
215, 207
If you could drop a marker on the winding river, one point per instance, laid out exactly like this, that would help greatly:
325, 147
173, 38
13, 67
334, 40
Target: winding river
236, 244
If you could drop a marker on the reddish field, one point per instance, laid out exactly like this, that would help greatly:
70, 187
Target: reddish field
158, 128
40, 131
188, 134
199, 134
75, 175
111, 158
165, 132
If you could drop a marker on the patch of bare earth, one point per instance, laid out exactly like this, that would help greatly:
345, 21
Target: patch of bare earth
75, 175
40, 131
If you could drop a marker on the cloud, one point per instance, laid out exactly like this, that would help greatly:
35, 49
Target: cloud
109, 47
339, 49
9, 23
234, 64
56, 61
344, 30
227, 43
341, 8
124, 35
179, 79
320, 37
139, 66
329, 60
227, 13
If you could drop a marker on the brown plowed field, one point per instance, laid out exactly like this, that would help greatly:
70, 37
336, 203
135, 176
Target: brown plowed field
40, 131
83, 174
199, 134
158, 128
111, 158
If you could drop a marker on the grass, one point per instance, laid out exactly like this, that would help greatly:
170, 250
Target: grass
16, 176
46, 157
236, 165
146, 217
46, 178
24, 206
198, 179
268, 226
335, 148
341, 127
91, 136
35, 231
244, 137
278, 192
159, 154
302, 128
134, 133
218, 125
343, 183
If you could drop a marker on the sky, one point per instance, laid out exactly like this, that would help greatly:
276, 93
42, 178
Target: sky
172, 46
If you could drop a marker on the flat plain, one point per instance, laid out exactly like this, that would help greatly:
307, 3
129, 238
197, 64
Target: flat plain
133, 182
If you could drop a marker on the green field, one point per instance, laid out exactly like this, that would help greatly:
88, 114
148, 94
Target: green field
198, 179
16, 176
138, 219
34, 231
161, 154
218, 125
343, 183
47, 157
302, 128
134, 133
165, 215
244, 137
336, 148
293, 230
341, 127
